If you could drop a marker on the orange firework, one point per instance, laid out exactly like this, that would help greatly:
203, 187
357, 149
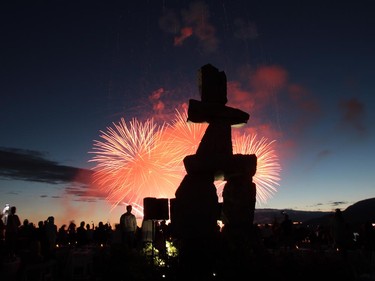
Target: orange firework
186, 136
266, 177
133, 162
138, 160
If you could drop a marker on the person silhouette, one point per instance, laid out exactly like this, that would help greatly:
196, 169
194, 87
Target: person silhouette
11, 231
50, 230
82, 237
286, 233
5, 213
341, 233
128, 226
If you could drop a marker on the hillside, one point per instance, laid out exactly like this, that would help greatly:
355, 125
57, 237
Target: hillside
357, 213
271, 215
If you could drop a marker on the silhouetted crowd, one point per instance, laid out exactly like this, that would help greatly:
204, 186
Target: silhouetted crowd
25, 246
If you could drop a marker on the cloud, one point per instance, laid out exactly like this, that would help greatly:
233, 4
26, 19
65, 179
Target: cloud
352, 117
268, 80
338, 203
194, 22
30, 165
330, 205
324, 154
186, 32
197, 16
164, 103
320, 156
155, 98
86, 193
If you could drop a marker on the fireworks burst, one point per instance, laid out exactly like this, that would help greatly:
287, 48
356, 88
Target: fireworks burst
186, 136
133, 162
268, 168
138, 160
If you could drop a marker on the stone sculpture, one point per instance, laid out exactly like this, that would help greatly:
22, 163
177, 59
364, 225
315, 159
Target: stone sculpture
196, 207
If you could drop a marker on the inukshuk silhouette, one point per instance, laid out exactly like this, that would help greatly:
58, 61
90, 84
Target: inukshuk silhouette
196, 209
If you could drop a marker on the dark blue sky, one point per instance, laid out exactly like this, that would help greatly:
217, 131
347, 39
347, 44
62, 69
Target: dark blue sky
68, 69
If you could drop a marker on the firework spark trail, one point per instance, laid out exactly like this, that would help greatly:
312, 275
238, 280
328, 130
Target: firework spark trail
133, 162
186, 136
139, 160
268, 168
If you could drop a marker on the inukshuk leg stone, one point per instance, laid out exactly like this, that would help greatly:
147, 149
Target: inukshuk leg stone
196, 208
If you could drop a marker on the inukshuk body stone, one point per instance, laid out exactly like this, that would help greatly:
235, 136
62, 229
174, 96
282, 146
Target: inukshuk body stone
196, 209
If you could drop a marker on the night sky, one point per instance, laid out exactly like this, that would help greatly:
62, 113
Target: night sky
303, 70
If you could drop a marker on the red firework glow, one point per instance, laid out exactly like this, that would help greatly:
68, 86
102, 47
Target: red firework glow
143, 159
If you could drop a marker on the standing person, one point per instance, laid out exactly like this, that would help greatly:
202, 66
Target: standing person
50, 229
82, 237
2, 233
90, 233
5, 213
62, 236
340, 232
11, 231
286, 233
72, 233
128, 226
